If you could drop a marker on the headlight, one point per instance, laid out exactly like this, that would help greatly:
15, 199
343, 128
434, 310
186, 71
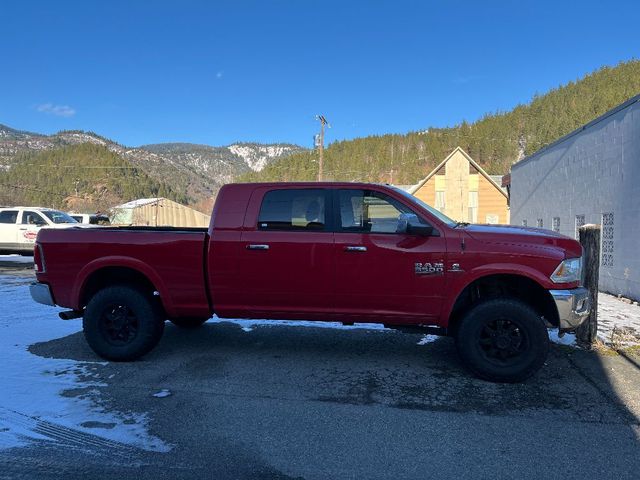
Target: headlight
569, 270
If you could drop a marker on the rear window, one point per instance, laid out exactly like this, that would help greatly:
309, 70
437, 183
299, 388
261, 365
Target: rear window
8, 216
302, 210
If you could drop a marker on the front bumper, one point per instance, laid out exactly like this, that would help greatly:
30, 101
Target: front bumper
41, 293
573, 307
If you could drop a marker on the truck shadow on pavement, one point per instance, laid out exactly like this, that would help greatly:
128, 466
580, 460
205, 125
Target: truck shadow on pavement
357, 367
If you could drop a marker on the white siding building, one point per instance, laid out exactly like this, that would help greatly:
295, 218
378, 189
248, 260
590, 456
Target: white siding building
591, 175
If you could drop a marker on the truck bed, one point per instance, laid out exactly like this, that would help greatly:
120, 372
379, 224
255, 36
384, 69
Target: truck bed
171, 258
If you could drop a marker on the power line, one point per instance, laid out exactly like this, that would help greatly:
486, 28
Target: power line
21, 187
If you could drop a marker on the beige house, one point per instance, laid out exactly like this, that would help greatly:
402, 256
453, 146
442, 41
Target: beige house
157, 212
461, 189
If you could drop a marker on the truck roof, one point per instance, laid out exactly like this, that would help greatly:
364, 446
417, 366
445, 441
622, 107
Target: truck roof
312, 184
32, 208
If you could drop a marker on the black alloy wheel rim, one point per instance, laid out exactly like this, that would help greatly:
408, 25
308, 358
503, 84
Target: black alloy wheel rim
502, 341
119, 324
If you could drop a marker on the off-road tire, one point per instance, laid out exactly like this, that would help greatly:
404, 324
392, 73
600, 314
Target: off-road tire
499, 327
141, 313
189, 323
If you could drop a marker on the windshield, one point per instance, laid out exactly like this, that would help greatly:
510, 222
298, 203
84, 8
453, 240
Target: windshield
58, 217
436, 213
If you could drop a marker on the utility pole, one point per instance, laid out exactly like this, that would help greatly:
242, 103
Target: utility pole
320, 144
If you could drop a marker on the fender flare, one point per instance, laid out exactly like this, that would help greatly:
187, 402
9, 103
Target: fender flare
457, 286
123, 262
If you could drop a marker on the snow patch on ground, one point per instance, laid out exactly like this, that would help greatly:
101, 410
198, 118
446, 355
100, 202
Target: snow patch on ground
32, 404
15, 259
428, 339
618, 321
162, 393
567, 339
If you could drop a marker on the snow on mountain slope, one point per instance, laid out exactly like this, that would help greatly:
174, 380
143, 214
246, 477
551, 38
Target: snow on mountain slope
258, 156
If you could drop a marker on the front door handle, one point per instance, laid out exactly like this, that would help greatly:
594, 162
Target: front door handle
258, 247
355, 248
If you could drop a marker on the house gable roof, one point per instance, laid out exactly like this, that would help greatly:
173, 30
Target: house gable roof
421, 183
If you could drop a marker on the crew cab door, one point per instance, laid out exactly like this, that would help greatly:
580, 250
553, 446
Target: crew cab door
286, 259
29, 224
381, 275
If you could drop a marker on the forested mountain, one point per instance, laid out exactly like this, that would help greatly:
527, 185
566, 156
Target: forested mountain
193, 173
78, 177
495, 141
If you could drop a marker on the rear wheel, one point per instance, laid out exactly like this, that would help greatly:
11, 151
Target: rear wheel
122, 323
189, 322
502, 340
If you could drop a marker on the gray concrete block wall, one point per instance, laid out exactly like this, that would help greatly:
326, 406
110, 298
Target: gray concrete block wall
591, 173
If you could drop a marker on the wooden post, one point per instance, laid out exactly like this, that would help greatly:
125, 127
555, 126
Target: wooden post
590, 240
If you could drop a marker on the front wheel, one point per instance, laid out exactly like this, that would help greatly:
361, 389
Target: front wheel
121, 323
502, 340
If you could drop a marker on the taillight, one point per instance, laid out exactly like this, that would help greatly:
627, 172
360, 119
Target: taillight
38, 259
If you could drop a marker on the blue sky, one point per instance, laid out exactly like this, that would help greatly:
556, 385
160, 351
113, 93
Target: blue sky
219, 72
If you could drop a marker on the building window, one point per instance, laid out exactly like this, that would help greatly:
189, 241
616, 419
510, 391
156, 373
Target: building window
440, 201
473, 207
540, 223
492, 218
556, 224
607, 239
579, 222
524, 223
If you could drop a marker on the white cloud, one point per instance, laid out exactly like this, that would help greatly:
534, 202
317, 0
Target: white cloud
57, 110
461, 80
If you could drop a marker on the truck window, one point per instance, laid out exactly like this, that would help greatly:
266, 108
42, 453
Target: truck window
58, 217
8, 216
302, 209
32, 218
370, 211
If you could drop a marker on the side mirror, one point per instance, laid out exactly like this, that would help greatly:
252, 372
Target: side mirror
409, 223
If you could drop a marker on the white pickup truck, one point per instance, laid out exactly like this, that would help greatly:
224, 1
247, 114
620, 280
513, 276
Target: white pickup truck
19, 226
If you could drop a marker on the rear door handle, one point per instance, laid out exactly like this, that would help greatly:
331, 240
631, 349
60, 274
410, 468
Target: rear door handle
355, 248
258, 247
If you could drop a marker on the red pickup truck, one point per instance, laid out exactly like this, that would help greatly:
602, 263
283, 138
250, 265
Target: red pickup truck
346, 252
